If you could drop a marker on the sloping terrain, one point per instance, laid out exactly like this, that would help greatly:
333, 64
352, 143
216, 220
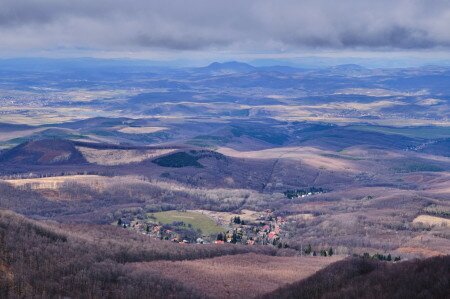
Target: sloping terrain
364, 278
238, 276
52, 260
43, 152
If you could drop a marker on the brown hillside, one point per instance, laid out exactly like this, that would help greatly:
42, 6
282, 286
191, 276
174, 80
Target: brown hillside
43, 152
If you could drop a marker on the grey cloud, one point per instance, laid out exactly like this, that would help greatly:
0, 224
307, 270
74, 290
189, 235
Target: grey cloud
178, 43
252, 25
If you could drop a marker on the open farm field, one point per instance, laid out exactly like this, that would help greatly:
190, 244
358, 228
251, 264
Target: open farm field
197, 221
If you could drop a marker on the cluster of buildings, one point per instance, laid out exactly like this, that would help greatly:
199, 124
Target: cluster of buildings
302, 192
157, 231
266, 230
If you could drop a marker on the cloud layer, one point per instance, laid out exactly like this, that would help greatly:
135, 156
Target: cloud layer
231, 25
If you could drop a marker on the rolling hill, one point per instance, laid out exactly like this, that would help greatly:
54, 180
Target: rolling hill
43, 152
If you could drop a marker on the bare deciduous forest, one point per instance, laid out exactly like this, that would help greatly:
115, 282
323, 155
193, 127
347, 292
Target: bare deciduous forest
52, 260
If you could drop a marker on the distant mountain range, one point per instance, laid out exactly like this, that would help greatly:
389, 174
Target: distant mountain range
50, 64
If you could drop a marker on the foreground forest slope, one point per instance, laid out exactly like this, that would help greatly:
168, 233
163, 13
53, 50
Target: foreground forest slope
366, 278
49, 260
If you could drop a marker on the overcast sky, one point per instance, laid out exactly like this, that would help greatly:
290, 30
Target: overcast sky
246, 27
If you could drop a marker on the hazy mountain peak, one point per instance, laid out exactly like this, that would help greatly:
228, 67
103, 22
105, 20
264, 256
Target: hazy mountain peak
230, 66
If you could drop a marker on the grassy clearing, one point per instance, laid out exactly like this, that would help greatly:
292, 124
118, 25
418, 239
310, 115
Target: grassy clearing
311, 156
198, 220
224, 218
432, 220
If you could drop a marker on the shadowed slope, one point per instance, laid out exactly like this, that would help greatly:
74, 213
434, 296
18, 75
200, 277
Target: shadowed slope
44, 152
364, 278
